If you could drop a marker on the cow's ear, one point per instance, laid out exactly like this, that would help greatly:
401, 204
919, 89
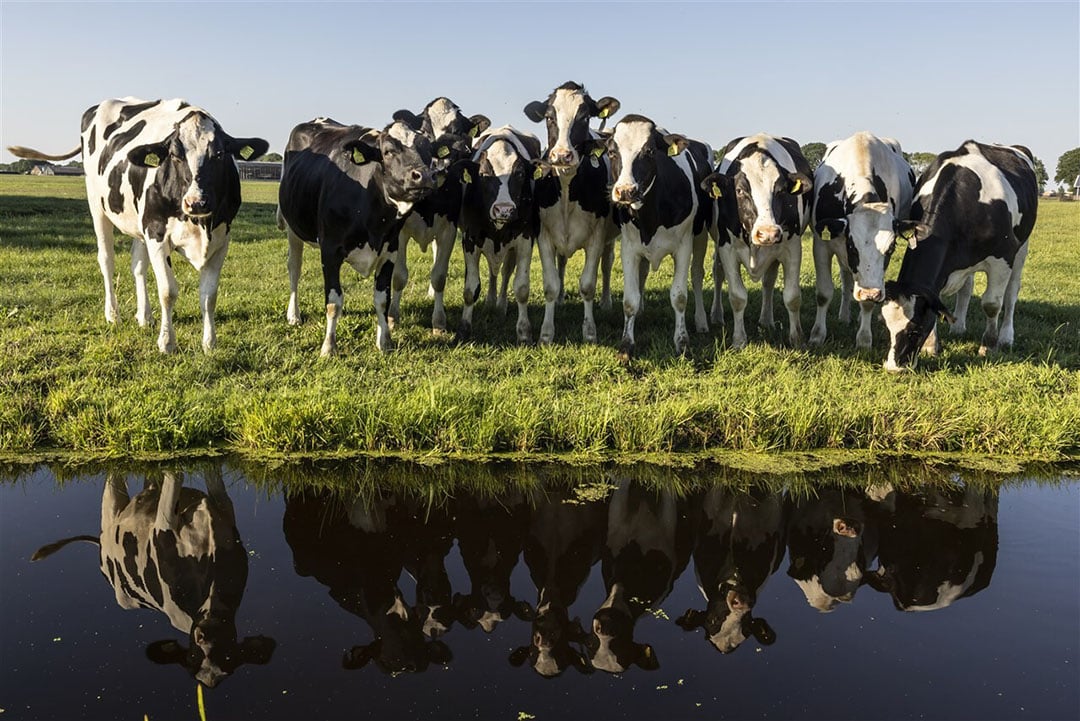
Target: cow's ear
478, 124
762, 632
447, 145
465, 170
358, 656
675, 143
166, 652
801, 184
717, 185
541, 169
257, 649
606, 107
690, 620
247, 148
361, 151
149, 156
410, 119
594, 146
438, 652
831, 228
518, 656
535, 111
646, 659
911, 230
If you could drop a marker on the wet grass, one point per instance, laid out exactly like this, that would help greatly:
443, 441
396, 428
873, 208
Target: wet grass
69, 381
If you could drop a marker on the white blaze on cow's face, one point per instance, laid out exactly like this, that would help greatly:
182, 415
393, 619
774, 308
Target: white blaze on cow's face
442, 113
502, 155
570, 109
763, 175
632, 143
871, 234
197, 135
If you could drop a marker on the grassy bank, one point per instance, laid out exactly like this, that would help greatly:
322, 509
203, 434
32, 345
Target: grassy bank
69, 381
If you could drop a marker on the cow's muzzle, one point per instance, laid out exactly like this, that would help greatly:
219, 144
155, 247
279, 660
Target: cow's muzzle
626, 194
562, 157
196, 207
502, 213
767, 235
875, 294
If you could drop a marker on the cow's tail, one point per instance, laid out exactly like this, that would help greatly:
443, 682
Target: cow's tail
30, 154
51, 548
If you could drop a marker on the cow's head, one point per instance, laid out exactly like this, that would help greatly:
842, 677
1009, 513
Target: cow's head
611, 644
213, 651
488, 606
827, 562
554, 640
910, 314
406, 158
633, 148
400, 644
499, 178
869, 233
196, 164
567, 112
443, 117
759, 196
729, 619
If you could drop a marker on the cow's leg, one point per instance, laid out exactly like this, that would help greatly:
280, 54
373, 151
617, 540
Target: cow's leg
493, 285
521, 288
103, 229
697, 279
631, 300
509, 262
736, 295
171, 485
864, 337
683, 260
472, 290
766, 318
963, 298
607, 260
296, 259
823, 285
399, 281
140, 261
1006, 334
594, 253
643, 277
215, 489
384, 278
931, 346
847, 293
998, 276
114, 499
716, 314
166, 287
440, 268
793, 292
335, 298
550, 273
560, 260
209, 278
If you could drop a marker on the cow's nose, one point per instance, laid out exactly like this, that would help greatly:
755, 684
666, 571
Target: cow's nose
738, 601
625, 193
502, 211
767, 235
196, 206
874, 294
561, 156
420, 178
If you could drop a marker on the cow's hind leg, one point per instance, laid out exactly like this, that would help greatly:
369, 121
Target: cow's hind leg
793, 294
399, 281
521, 289
960, 310
998, 276
1006, 334
440, 268
383, 282
607, 260
335, 299
167, 290
209, 278
140, 262
678, 296
296, 260
103, 229
697, 280
472, 290
823, 285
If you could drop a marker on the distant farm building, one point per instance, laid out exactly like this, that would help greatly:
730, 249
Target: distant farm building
252, 170
50, 169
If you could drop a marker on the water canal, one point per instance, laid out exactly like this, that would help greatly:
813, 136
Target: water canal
387, 591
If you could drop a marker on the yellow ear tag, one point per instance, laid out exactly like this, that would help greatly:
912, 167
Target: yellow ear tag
246, 152
151, 160
538, 173
473, 130
605, 112
797, 187
648, 651
908, 234
357, 156
673, 150
597, 152
825, 234
714, 191
466, 177
443, 151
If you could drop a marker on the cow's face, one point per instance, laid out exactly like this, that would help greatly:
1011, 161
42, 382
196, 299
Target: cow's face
197, 163
488, 607
611, 645
406, 157
566, 113
551, 651
729, 619
504, 182
634, 149
400, 645
443, 117
869, 234
910, 315
764, 197
213, 652
826, 563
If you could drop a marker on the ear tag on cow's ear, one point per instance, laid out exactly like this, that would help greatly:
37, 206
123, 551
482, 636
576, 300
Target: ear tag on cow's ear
796, 187
714, 192
538, 173
246, 152
597, 152
473, 131
466, 176
673, 150
443, 151
826, 234
604, 113
357, 156
151, 160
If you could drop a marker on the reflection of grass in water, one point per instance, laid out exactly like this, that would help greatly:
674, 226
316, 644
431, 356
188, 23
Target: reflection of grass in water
69, 381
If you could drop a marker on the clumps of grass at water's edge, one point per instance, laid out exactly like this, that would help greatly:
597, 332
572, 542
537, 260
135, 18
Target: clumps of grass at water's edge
70, 382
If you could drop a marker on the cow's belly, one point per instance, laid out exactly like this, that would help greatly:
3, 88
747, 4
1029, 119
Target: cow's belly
990, 266
569, 230
665, 242
366, 259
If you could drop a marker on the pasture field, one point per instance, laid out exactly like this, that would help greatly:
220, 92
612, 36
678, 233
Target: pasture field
69, 382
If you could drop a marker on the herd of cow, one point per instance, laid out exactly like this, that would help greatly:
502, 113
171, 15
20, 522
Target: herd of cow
177, 550
162, 172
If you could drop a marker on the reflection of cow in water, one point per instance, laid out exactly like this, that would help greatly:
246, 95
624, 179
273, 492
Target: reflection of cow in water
832, 539
358, 551
939, 546
648, 546
177, 550
561, 547
739, 542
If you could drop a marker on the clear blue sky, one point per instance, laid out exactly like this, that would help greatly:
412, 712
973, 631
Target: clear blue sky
930, 74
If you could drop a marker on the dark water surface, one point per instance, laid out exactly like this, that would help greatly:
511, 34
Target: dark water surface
880, 596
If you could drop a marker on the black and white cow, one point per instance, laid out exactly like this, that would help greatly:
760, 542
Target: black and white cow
975, 207
347, 189
661, 210
162, 172
832, 540
435, 218
499, 219
648, 546
562, 545
763, 185
937, 547
176, 550
490, 535
575, 210
358, 550
862, 198
739, 543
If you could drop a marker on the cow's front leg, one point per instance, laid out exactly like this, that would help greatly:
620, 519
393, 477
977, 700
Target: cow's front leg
521, 289
384, 278
864, 338
335, 299
678, 296
766, 318
215, 489
209, 278
631, 301
440, 267
140, 262
399, 281
472, 290
114, 499
166, 517
716, 313
166, 287
736, 295
561, 262
594, 252
607, 260
550, 273
296, 260
793, 293
509, 261
847, 293
823, 285
931, 346
103, 229
960, 310
697, 280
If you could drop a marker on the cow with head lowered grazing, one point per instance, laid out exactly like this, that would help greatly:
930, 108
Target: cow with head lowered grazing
347, 189
762, 185
164, 173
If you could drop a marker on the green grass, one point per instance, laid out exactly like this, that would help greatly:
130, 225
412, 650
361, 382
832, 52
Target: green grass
71, 382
